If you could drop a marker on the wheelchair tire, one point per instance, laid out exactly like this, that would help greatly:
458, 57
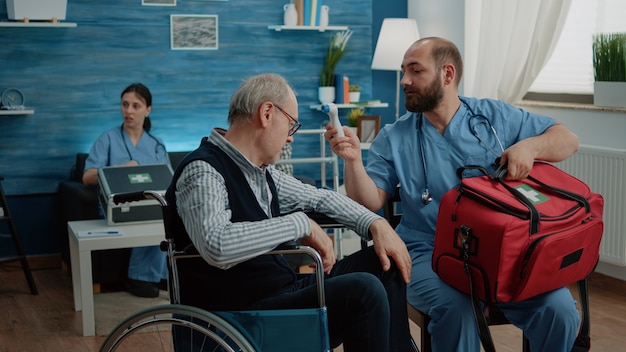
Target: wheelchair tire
154, 328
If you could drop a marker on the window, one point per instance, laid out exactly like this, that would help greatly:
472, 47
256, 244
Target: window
570, 68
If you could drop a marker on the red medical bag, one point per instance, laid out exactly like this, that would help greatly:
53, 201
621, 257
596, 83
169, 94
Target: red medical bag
520, 238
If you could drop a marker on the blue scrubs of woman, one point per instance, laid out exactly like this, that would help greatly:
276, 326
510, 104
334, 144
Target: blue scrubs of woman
132, 144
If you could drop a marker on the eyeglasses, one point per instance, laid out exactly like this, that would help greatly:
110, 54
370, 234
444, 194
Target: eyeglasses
296, 125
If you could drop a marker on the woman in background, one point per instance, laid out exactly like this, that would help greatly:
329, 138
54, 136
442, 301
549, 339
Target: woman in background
132, 144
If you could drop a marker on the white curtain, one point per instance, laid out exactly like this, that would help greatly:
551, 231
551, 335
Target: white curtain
507, 43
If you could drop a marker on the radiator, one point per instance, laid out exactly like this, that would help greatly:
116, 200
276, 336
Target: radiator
604, 170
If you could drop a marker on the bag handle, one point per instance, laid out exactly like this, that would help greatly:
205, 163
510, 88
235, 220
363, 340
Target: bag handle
461, 170
500, 173
534, 213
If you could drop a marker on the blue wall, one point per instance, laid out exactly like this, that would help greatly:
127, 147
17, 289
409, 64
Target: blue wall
73, 77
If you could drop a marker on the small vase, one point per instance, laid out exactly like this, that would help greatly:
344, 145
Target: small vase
290, 16
355, 96
326, 95
324, 16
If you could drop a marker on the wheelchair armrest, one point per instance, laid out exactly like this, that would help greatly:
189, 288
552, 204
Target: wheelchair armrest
287, 245
319, 266
323, 220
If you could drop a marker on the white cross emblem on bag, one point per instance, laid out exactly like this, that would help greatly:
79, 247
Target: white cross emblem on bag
531, 194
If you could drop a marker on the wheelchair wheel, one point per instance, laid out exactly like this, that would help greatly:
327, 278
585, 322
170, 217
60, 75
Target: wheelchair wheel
175, 327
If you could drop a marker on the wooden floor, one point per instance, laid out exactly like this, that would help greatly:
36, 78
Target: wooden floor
48, 322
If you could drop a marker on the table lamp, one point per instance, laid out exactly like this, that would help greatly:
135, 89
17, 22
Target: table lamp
396, 35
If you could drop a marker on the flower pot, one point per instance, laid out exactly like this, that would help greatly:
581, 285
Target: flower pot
326, 95
355, 96
612, 94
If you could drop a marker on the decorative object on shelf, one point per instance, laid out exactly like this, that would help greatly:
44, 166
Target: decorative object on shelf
12, 99
396, 36
158, 2
367, 128
193, 32
324, 15
355, 93
609, 63
353, 116
44, 10
326, 94
335, 52
290, 17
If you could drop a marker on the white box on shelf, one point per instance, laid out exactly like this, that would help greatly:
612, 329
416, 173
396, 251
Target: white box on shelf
36, 9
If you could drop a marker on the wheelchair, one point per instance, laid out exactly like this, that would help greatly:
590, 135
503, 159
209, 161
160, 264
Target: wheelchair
182, 328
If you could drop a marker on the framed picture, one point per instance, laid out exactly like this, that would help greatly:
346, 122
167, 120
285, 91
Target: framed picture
367, 128
193, 32
158, 2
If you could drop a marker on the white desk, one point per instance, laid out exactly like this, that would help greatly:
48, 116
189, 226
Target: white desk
137, 235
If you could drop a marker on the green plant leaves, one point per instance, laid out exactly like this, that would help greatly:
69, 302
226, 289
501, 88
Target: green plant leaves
335, 52
609, 57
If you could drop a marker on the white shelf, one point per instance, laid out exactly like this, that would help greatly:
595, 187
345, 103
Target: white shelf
38, 24
279, 28
352, 105
17, 112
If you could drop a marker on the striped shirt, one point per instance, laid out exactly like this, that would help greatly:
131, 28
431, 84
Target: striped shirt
202, 202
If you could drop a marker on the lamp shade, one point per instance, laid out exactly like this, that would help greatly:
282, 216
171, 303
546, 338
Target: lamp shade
396, 36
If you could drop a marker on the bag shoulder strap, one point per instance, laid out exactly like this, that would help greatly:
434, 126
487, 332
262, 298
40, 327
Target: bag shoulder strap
481, 321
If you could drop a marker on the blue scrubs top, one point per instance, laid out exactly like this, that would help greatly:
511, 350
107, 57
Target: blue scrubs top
395, 156
114, 147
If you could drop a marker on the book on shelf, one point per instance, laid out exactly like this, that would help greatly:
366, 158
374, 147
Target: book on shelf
300, 11
311, 10
317, 11
342, 89
306, 12
314, 12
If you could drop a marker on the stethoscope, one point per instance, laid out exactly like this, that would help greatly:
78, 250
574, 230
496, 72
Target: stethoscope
156, 148
426, 196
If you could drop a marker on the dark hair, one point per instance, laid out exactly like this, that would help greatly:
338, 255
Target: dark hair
445, 51
145, 94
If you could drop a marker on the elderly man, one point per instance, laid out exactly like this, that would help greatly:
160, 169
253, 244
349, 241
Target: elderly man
234, 206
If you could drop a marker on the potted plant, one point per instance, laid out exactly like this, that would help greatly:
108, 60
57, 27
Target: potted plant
353, 116
336, 49
609, 64
355, 93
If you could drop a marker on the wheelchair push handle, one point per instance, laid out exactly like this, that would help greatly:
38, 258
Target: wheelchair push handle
137, 196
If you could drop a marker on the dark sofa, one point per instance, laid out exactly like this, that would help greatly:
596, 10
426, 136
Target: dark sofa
80, 202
